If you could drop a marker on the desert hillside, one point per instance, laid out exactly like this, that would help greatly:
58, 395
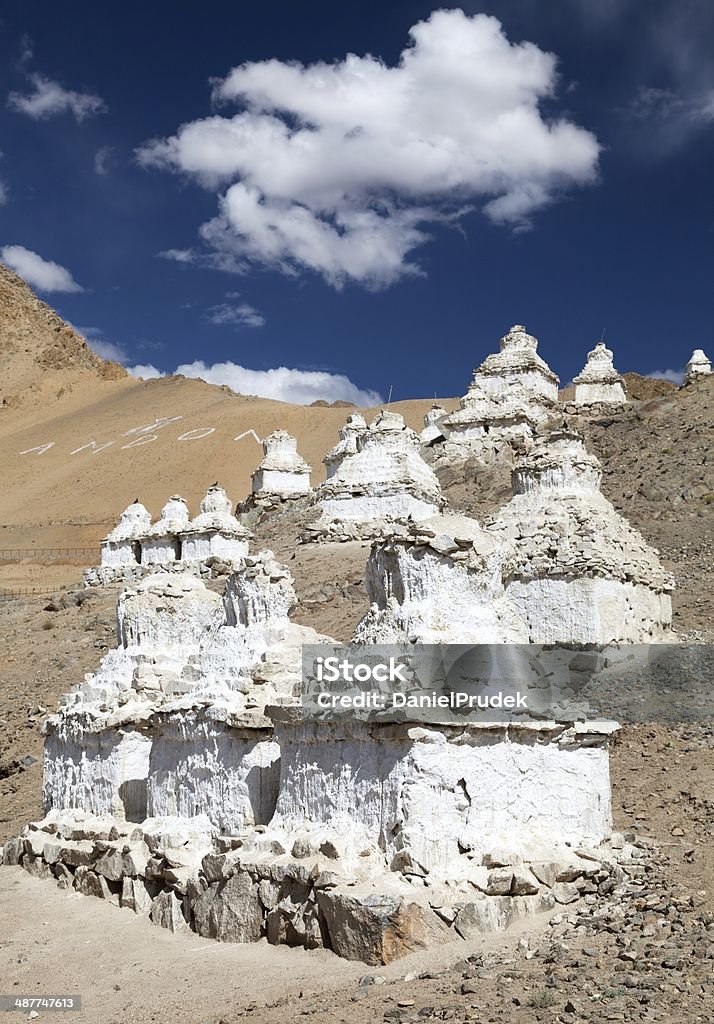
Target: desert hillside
39, 351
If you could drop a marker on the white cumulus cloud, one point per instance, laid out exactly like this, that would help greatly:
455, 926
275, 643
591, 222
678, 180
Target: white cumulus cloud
243, 315
48, 98
341, 168
42, 274
144, 371
299, 387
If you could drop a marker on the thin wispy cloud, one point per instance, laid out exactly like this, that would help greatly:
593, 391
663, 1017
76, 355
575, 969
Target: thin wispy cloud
673, 376
243, 315
47, 98
94, 336
177, 255
103, 160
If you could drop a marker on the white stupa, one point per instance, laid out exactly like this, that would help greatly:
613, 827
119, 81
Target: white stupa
283, 473
512, 392
699, 366
215, 531
123, 545
599, 381
350, 435
577, 571
171, 724
162, 544
438, 581
385, 480
432, 431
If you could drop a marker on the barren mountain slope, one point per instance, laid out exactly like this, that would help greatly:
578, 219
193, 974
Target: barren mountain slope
37, 348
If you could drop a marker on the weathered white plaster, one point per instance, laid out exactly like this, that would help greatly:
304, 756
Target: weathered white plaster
163, 541
103, 773
123, 545
432, 795
512, 392
599, 381
575, 569
438, 581
215, 532
350, 433
283, 471
385, 479
432, 429
199, 766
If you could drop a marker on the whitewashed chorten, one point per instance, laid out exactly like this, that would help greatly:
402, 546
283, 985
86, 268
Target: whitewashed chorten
123, 545
577, 572
512, 392
599, 381
283, 472
350, 435
163, 541
699, 366
386, 479
215, 531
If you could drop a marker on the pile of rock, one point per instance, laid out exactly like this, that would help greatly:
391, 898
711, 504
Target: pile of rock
383, 481
575, 569
599, 383
512, 392
175, 543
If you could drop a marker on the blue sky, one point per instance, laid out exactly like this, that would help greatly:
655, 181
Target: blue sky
220, 188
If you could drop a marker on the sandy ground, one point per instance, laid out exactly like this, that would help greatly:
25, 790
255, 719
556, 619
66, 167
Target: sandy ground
126, 970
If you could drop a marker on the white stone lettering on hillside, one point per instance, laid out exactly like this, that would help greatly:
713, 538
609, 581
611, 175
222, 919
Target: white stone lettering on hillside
142, 435
144, 439
96, 448
40, 449
252, 433
197, 434
158, 424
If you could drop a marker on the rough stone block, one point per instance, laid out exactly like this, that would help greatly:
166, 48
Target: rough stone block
135, 896
12, 851
89, 883
378, 929
235, 914
167, 912
111, 865
36, 866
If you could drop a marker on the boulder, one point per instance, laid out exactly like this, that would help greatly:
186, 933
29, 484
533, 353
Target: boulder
89, 883
378, 929
235, 914
135, 896
167, 912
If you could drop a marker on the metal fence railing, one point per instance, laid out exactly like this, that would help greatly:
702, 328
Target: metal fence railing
21, 593
20, 554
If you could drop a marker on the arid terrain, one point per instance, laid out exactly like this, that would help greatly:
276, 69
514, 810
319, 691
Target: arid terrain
648, 957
